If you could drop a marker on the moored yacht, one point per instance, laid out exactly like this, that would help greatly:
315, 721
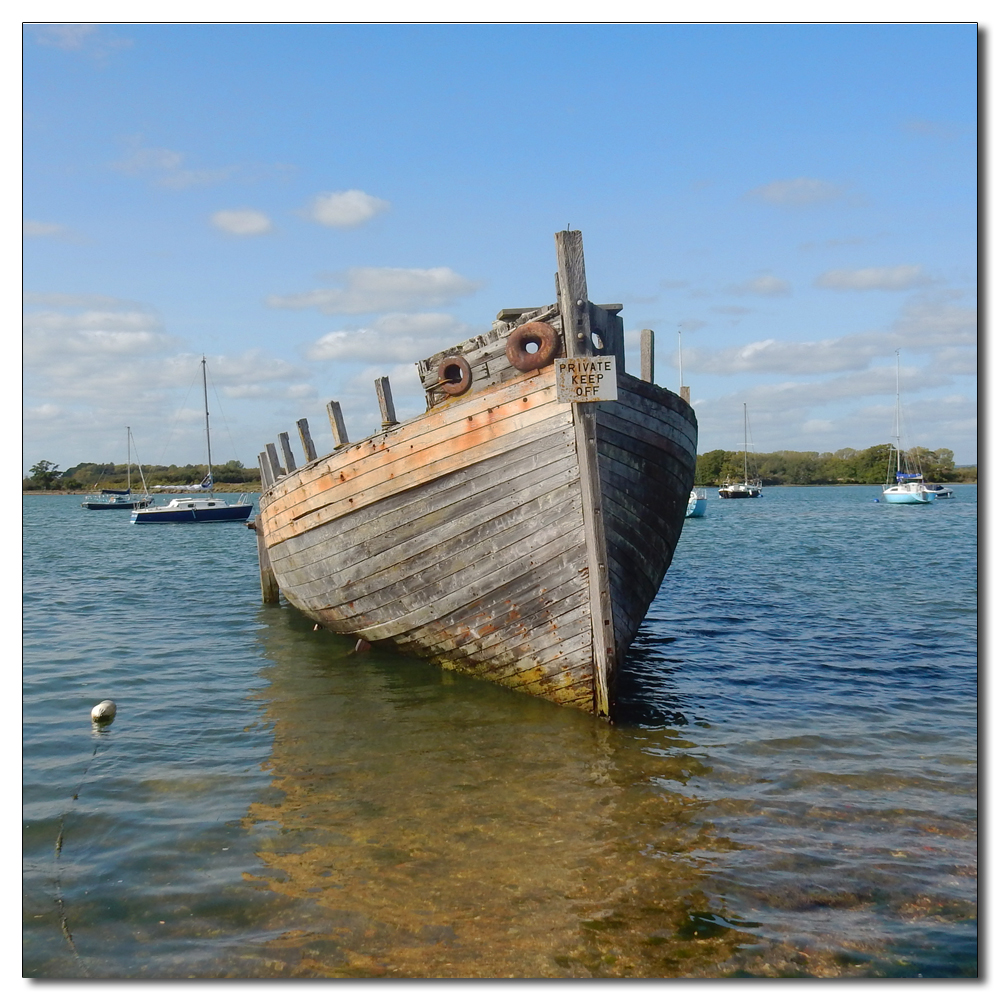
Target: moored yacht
751, 486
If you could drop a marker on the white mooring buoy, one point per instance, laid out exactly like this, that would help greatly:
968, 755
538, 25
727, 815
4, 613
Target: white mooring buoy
104, 711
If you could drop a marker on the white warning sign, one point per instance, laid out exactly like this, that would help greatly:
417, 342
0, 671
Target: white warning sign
586, 379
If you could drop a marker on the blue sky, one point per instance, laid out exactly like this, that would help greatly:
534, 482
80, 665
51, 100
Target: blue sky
313, 206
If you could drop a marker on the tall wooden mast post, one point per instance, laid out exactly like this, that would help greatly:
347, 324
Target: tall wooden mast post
574, 308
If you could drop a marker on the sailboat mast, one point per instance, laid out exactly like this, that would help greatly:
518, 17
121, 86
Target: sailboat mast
680, 359
746, 473
898, 438
128, 446
208, 436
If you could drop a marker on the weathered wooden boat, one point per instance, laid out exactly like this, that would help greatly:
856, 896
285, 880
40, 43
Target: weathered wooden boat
519, 529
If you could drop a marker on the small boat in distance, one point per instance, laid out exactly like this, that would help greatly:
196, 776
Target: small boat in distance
187, 509
941, 492
751, 486
697, 503
121, 499
907, 485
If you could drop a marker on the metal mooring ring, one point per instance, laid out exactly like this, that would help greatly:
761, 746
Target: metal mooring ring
543, 336
454, 376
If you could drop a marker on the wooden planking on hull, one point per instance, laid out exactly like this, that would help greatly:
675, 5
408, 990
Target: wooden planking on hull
411, 453
434, 586
428, 515
502, 533
409, 514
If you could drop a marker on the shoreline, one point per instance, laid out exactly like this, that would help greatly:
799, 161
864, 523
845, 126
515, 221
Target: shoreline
240, 488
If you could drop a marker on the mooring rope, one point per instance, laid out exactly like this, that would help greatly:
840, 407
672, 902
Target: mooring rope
60, 902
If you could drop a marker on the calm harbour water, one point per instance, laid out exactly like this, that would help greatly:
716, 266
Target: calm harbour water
791, 790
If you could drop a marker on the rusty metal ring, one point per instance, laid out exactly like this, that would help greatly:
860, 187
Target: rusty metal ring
454, 376
543, 336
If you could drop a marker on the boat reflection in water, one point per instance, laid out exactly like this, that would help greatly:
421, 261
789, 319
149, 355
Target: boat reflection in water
446, 827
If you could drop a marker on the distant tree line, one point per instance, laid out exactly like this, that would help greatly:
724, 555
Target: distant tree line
777, 468
815, 468
46, 475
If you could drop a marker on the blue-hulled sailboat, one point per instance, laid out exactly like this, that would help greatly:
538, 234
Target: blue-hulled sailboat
192, 508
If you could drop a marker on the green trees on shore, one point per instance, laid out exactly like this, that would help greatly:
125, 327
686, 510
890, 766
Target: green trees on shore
806, 468
778, 468
94, 475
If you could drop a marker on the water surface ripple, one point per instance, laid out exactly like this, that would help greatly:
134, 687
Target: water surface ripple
791, 789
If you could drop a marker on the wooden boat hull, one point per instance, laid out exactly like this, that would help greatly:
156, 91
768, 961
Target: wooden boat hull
502, 533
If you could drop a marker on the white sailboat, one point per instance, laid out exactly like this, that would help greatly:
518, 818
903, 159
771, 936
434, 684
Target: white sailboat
904, 479
121, 499
751, 486
203, 508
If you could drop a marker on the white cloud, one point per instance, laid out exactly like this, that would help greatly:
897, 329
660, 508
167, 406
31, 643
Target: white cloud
937, 326
64, 36
60, 300
78, 37
119, 356
345, 209
835, 244
780, 357
818, 426
165, 166
956, 361
142, 159
382, 289
360, 402
34, 228
393, 337
871, 382
258, 390
92, 364
241, 222
936, 321
936, 130
799, 191
885, 279
764, 284
692, 324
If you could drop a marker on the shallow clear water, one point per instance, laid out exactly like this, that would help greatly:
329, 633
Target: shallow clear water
791, 790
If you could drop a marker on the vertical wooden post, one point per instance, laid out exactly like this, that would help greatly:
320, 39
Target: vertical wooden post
646, 338
385, 402
337, 424
266, 479
572, 285
286, 450
573, 306
272, 456
308, 447
685, 393
268, 584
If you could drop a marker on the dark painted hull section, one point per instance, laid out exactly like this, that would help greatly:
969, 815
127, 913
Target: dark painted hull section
241, 512
127, 505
